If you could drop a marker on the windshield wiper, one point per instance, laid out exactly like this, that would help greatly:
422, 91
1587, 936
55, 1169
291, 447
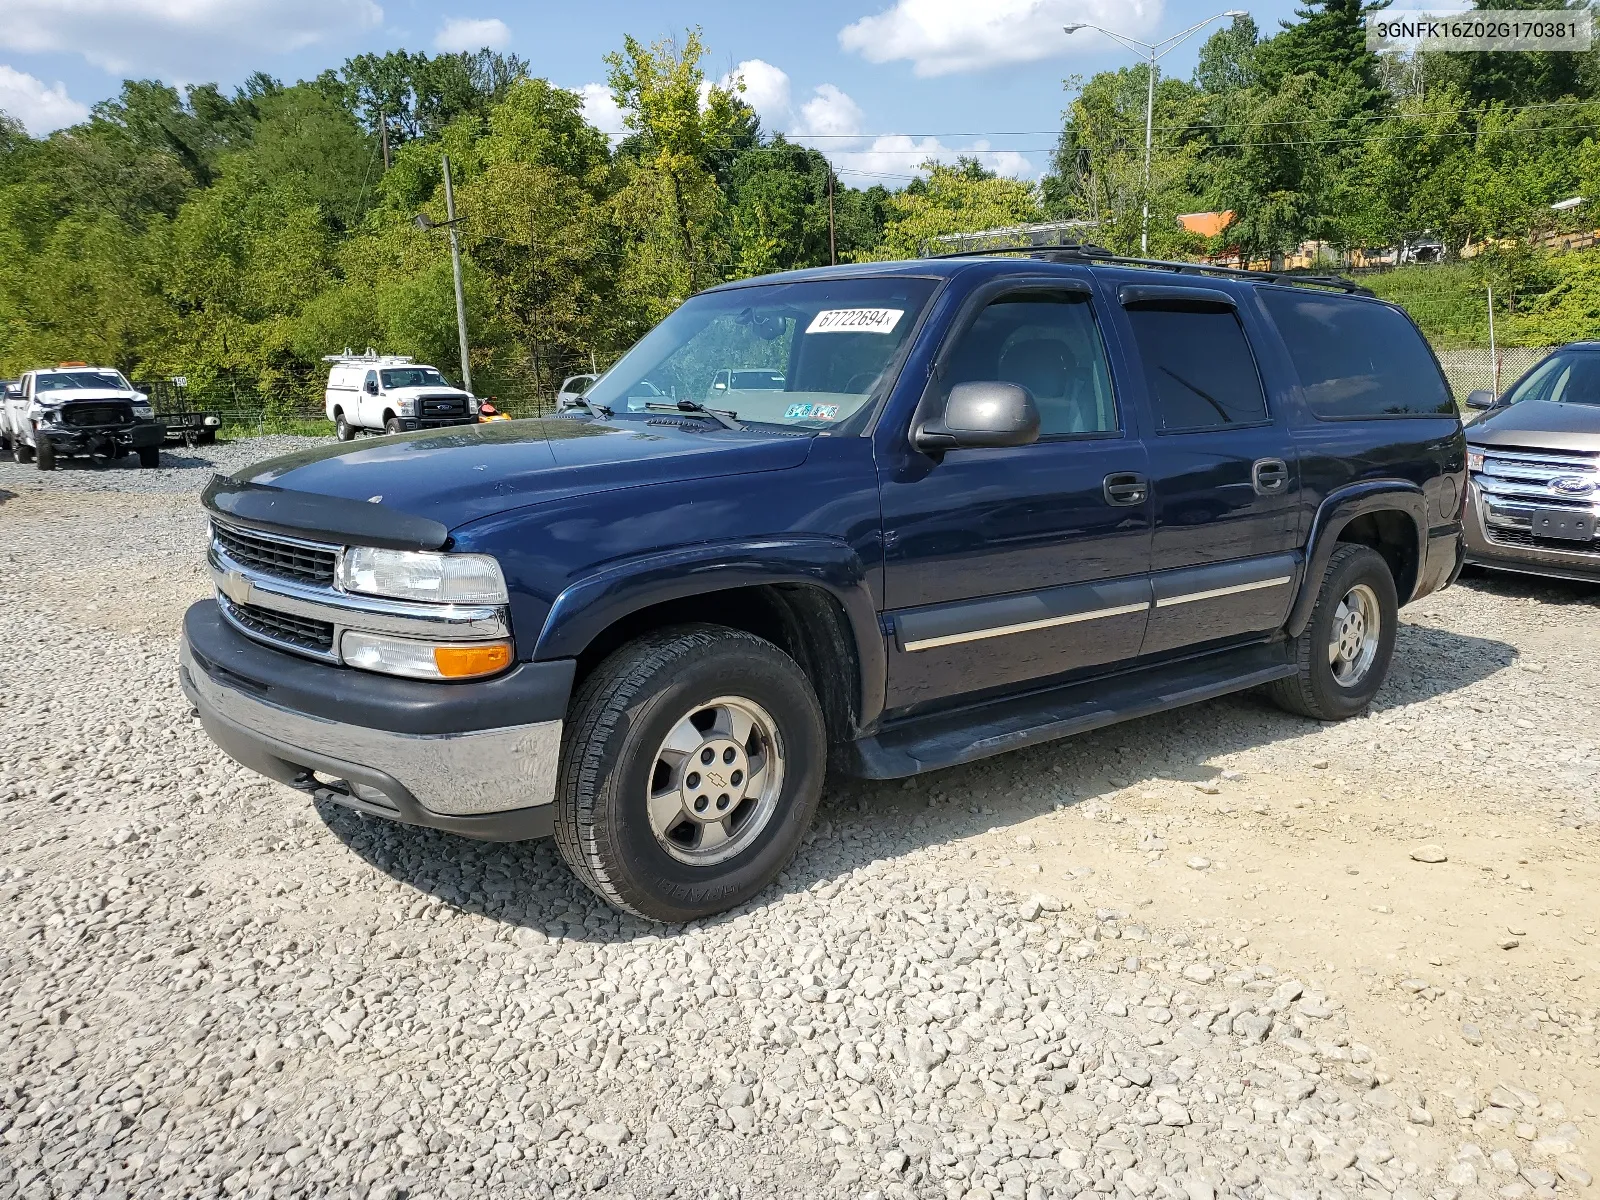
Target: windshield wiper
728, 420
599, 410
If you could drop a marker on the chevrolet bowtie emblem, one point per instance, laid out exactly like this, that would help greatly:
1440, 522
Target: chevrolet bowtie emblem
236, 587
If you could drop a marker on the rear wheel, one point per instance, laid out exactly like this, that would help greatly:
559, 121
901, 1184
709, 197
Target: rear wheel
690, 769
45, 455
150, 456
392, 425
341, 427
1344, 653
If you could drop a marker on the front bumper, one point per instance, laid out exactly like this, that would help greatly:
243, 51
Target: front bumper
72, 439
407, 424
430, 754
1507, 548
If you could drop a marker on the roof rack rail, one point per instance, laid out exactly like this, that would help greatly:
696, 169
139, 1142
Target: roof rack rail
1084, 252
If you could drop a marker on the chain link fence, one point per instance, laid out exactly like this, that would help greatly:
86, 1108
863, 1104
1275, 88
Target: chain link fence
1470, 370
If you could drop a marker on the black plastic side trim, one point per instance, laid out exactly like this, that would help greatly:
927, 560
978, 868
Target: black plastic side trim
1338, 510
1190, 581
321, 518
528, 693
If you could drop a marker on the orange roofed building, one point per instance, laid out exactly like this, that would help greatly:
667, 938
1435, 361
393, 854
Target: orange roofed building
1206, 224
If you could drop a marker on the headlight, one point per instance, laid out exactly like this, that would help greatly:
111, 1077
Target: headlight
423, 660
408, 408
144, 411
420, 575
472, 405
1474, 460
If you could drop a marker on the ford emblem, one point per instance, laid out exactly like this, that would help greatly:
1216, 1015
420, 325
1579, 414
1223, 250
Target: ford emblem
1572, 485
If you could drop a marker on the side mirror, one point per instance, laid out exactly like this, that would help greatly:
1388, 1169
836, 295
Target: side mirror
981, 416
719, 386
1480, 399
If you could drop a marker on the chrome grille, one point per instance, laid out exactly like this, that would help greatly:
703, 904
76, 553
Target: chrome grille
1529, 477
281, 627
1521, 539
437, 408
303, 562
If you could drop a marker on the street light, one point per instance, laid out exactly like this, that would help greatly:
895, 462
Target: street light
1153, 52
425, 223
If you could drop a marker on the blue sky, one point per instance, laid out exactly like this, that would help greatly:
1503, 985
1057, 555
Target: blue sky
878, 84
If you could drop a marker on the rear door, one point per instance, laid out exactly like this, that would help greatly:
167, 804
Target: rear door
1224, 476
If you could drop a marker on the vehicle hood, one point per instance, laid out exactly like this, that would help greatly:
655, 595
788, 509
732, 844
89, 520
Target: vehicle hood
442, 389
1539, 424
461, 474
98, 395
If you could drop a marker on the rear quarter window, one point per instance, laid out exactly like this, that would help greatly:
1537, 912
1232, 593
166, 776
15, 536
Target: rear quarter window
1357, 358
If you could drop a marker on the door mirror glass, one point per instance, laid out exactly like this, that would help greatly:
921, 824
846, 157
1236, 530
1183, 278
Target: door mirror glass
1480, 398
981, 415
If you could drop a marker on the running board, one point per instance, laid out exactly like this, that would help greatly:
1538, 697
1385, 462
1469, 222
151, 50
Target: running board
948, 739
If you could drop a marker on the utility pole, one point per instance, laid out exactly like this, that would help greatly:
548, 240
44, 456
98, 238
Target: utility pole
455, 263
1494, 358
383, 136
833, 257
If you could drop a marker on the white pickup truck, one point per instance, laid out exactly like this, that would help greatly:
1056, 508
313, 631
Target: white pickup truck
389, 393
76, 409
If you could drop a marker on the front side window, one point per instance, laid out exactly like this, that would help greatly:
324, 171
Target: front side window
1048, 343
811, 354
1357, 358
1566, 377
1198, 367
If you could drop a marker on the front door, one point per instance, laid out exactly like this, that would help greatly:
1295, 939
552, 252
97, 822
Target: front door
371, 402
1027, 563
1223, 473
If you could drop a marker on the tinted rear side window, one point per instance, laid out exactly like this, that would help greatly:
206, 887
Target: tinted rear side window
1357, 358
1199, 368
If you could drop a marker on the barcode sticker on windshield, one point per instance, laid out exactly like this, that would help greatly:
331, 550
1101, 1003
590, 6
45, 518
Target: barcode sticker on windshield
856, 320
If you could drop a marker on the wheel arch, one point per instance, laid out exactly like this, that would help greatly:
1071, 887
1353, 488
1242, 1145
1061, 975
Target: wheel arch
1389, 515
808, 596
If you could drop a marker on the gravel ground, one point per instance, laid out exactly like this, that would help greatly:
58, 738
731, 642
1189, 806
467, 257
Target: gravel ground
183, 468
961, 988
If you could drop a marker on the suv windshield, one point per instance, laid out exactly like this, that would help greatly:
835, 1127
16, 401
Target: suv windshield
62, 381
1566, 377
405, 377
806, 354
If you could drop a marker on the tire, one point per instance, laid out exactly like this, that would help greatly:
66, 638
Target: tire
149, 456
392, 425
341, 427
691, 682
208, 436
1341, 663
23, 452
45, 455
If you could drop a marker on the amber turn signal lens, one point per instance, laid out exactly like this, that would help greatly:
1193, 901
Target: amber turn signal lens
465, 662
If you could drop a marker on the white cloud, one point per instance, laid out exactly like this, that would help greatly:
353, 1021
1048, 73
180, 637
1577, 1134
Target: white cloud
466, 33
600, 109
830, 111
832, 122
183, 38
766, 89
41, 108
940, 37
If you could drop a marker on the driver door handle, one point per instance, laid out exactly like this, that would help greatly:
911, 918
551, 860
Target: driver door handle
1125, 489
1269, 476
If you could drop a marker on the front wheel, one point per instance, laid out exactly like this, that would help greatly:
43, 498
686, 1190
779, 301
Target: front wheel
46, 455
392, 425
149, 456
1344, 652
691, 766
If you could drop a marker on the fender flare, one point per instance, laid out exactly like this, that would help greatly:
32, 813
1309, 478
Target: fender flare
1342, 506
589, 606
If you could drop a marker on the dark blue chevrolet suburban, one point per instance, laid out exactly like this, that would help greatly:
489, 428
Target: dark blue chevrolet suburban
974, 504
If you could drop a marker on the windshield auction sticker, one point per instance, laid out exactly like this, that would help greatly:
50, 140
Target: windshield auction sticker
1478, 29
856, 320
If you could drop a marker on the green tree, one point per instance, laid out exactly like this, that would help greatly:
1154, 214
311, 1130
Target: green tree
964, 198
